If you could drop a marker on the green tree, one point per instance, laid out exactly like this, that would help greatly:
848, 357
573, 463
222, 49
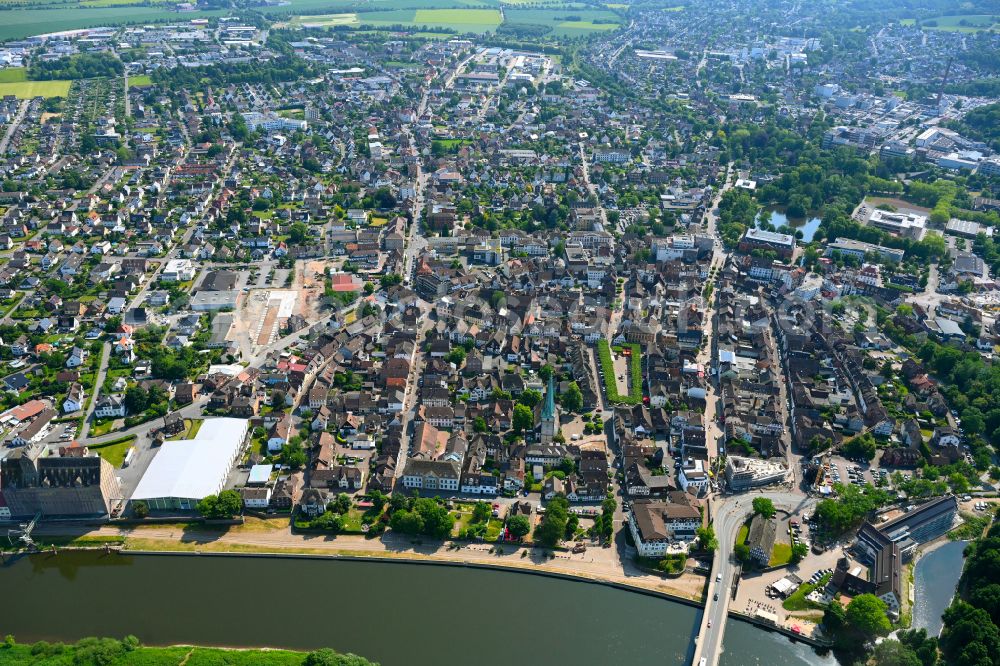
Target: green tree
866, 615
530, 398
742, 552
553, 526
481, 512
341, 504
298, 233
328, 657
764, 507
225, 505
519, 526
799, 552
572, 398
706, 539
140, 509
524, 418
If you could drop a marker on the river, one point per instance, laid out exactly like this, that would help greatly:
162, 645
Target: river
934, 580
394, 613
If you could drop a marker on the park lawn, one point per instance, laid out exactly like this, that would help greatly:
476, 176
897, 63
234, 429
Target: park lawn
797, 601
114, 451
494, 528
780, 555
140, 80
32, 89
13, 75
463, 519
102, 428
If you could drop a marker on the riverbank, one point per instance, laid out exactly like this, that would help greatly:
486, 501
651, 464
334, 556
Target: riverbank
127, 651
274, 538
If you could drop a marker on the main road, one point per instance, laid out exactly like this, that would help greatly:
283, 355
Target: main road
729, 513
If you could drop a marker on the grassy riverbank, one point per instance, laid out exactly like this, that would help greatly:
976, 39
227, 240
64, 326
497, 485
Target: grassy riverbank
128, 651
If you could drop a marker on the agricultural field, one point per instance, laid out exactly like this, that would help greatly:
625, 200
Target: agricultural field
460, 20
13, 75
30, 89
566, 22
959, 23
22, 22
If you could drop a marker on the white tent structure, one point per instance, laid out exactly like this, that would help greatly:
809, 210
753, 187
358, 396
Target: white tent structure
186, 470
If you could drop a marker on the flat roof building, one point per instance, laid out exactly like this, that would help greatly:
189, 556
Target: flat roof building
187, 470
910, 225
783, 244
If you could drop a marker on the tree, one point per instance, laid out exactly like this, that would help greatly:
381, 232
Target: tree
799, 551
479, 424
866, 615
545, 372
298, 233
378, 499
894, 653
328, 657
572, 398
862, 446
524, 418
341, 504
136, 399
140, 509
530, 398
553, 526
706, 539
764, 507
742, 552
225, 505
519, 526
969, 636
572, 524
481, 512
293, 455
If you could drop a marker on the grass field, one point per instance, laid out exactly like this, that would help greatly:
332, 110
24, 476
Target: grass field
120, 3
19, 23
115, 450
326, 20
140, 80
13, 75
566, 22
29, 89
957, 23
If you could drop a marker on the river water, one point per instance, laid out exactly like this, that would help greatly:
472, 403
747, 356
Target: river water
394, 613
934, 580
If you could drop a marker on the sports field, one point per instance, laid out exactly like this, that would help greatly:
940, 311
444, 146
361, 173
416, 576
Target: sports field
140, 80
30, 89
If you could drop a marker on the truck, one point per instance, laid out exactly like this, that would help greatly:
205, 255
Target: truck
128, 456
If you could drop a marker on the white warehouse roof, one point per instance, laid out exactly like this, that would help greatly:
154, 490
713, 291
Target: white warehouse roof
194, 468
